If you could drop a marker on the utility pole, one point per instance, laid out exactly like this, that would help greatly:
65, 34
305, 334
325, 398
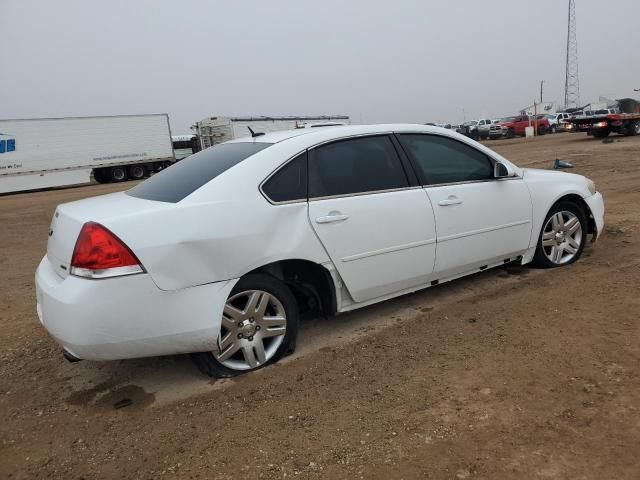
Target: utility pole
571, 82
541, 84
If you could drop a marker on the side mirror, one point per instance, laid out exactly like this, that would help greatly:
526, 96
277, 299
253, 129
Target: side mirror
500, 170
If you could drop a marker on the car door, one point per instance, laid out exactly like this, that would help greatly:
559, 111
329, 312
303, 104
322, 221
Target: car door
479, 219
378, 229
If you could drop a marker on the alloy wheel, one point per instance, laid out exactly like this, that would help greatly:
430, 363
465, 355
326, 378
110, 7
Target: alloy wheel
562, 237
254, 324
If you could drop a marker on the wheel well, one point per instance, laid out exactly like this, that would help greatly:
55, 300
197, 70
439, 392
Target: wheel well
579, 201
310, 282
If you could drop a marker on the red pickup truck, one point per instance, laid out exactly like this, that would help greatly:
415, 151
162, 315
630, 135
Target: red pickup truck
511, 126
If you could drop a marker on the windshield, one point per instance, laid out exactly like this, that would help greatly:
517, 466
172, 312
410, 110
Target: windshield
601, 112
188, 175
470, 124
507, 119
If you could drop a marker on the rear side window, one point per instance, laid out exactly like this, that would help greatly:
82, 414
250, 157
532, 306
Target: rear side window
444, 160
289, 183
186, 176
358, 165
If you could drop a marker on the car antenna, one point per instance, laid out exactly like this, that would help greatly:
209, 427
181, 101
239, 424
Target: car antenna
255, 134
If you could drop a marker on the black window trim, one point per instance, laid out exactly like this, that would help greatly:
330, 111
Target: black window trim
422, 181
410, 169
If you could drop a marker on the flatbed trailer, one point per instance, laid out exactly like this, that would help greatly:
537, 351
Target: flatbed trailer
600, 126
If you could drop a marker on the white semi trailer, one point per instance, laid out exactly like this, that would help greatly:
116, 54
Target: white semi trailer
214, 130
53, 152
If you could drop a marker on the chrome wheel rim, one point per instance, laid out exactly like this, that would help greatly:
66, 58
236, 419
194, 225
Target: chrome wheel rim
562, 237
253, 327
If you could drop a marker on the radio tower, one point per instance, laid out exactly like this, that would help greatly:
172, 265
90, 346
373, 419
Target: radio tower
571, 83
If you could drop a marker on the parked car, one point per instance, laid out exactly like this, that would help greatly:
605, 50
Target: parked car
469, 129
511, 127
484, 125
219, 253
557, 121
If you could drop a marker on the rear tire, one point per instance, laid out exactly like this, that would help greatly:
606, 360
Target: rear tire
562, 237
542, 130
248, 339
634, 128
136, 172
117, 174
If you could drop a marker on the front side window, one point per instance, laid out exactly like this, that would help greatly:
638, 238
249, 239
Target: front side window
289, 183
444, 160
358, 165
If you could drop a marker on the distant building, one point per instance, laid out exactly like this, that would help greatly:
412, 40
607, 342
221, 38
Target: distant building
540, 108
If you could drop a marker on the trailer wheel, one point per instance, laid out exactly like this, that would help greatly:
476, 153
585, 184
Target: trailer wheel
634, 128
136, 172
117, 174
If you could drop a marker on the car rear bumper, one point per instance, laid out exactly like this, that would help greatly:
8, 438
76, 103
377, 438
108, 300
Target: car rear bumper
596, 204
128, 317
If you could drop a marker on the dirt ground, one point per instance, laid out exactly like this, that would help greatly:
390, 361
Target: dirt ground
515, 373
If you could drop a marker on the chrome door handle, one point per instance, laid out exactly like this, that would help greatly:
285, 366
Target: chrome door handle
452, 200
332, 217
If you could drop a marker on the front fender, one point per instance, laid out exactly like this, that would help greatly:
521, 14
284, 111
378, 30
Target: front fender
546, 188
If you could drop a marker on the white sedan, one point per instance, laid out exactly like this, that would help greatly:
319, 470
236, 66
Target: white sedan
219, 253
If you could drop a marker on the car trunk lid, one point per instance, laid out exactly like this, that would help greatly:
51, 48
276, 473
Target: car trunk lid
69, 218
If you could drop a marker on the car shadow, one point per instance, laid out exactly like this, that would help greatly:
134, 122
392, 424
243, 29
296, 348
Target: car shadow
144, 382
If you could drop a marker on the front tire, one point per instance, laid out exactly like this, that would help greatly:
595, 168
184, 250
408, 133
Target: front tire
563, 236
259, 326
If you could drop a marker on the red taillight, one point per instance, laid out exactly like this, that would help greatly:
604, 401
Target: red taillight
99, 253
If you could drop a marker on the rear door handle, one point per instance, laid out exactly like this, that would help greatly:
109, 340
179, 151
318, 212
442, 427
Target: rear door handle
452, 200
332, 217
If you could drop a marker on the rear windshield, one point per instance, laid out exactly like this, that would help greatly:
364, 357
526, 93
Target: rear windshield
186, 176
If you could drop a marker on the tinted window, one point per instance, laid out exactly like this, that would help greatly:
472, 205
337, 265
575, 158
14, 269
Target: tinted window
186, 176
355, 166
290, 182
443, 160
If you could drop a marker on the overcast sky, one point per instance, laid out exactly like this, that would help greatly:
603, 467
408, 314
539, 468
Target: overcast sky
377, 61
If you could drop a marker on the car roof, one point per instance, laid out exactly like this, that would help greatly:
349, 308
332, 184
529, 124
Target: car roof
314, 135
